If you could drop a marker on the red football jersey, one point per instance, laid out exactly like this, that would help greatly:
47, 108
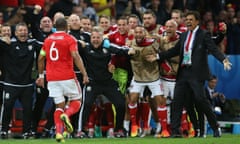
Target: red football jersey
59, 62
117, 60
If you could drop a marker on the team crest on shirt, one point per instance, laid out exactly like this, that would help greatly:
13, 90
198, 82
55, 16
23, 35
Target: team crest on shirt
30, 47
7, 96
89, 88
105, 51
82, 38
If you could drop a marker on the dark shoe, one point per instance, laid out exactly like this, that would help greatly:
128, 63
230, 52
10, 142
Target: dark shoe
176, 136
26, 135
217, 132
4, 135
81, 134
46, 133
120, 134
32, 135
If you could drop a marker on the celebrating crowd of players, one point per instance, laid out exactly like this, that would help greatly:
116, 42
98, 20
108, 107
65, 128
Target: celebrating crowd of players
118, 78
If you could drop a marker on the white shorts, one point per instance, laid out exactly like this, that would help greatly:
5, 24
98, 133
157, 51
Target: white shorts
69, 88
155, 87
168, 88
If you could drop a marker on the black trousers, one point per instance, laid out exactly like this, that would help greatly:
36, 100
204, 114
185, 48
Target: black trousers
184, 89
40, 100
75, 117
1, 96
111, 91
25, 96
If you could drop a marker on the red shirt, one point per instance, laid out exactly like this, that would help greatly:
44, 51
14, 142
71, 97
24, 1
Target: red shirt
59, 62
111, 29
117, 60
181, 28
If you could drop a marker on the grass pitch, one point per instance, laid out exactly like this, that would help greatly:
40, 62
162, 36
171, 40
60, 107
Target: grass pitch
225, 139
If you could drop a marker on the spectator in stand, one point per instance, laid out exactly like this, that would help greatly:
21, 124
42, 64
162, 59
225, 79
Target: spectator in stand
178, 16
47, 6
78, 10
207, 16
120, 6
186, 5
64, 6
156, 7
104, 7
233, 34
215, 32
1, 18
231, 13
88, 10
222, 16
167, 9
105, 23
135, 7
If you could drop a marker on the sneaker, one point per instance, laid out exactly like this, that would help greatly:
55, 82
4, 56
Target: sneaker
81, 134
46, 133
26, 135
191, 133
110, 133
134, 130
120, 134
98, 131
60, 138
67, 122
91, 133
217, 132
143, 133
140, 130
165, 134
4, 135
157, 132
126, 132
66, 134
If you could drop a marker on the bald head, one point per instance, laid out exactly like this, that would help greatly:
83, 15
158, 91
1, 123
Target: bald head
57, 15
171, 27
74, 22
61, 24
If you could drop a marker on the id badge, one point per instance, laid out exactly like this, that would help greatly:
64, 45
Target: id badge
186, 58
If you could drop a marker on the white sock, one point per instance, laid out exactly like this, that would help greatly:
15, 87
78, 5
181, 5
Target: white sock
158, 127
126, 124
